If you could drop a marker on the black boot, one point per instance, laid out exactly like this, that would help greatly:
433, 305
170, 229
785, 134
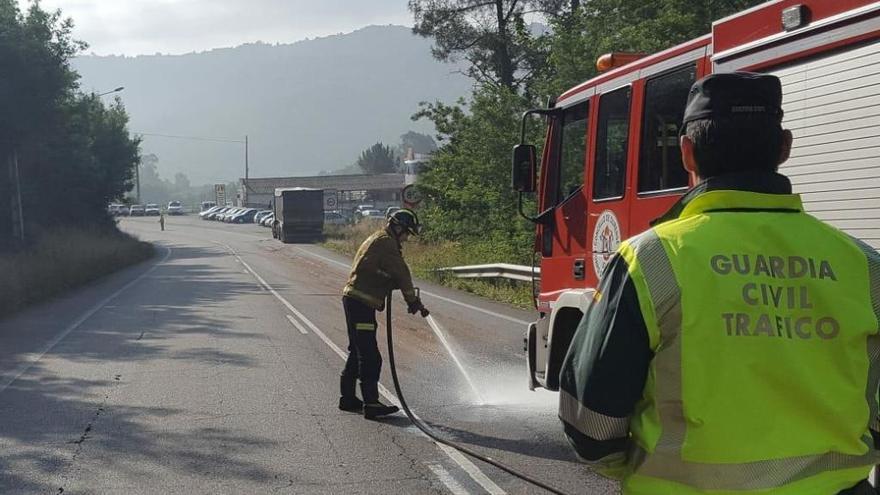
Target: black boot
351, 404
348, 401
373, 410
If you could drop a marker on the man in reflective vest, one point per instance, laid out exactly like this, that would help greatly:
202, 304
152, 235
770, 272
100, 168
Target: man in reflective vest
733, 347
378, 268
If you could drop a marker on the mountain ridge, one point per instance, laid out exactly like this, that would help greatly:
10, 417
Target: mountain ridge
306, 107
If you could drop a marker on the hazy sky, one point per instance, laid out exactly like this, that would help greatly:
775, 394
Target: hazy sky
133, 27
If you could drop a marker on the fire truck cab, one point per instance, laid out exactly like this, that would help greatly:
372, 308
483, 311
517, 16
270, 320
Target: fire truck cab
611, 160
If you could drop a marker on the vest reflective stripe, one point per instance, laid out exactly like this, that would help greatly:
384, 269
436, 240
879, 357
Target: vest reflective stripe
649, 261
591, 423
365, 326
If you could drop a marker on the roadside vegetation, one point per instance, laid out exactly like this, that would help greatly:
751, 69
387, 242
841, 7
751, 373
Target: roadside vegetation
426, 257
62, 260
64, 155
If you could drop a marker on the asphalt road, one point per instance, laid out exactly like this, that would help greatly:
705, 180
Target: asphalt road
214, 368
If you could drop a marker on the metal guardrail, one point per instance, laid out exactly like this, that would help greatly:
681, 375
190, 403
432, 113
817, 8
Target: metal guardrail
495, 270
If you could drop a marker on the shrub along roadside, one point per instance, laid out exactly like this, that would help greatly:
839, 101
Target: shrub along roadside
424, 258
62, 260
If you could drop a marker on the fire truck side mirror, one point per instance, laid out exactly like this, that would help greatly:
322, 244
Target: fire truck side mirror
524, 168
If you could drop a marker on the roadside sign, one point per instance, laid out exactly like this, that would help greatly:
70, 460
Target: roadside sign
220, 194
411, 195
330, 200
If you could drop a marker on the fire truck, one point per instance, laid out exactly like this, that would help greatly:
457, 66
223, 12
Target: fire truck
611, 161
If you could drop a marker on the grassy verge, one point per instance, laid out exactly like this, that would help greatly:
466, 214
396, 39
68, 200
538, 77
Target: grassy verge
62, 260
425, 258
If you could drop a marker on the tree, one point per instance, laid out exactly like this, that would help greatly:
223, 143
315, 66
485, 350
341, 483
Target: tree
74, 152
378, 159
418, 143
491, 35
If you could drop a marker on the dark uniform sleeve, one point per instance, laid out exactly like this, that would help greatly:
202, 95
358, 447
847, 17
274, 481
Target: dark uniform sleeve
603, 375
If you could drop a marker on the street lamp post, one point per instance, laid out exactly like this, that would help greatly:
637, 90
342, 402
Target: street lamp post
116, 90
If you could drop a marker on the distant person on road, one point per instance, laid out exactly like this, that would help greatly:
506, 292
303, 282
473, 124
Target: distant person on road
162, 221
735, 346
378, 268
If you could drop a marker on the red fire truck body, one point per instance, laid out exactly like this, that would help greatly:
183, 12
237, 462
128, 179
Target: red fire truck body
611, 161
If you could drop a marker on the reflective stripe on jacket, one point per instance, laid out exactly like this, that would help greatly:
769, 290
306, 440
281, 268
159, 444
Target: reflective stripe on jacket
378, 268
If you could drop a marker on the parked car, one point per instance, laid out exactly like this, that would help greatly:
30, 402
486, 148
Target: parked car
209, 211
371, 215
244, 216
152, 210
207, 205
136, 211
213, 215
267, 220
175, 208
227, 216
334, 218
261, 215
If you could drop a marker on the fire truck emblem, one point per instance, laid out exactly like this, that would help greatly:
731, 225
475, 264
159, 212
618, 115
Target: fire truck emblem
606, 238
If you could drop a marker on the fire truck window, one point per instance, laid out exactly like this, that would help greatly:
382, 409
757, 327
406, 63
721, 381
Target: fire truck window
612, 141
572, 150
660, 165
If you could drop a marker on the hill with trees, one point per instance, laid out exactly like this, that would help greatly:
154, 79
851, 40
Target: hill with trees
306, 107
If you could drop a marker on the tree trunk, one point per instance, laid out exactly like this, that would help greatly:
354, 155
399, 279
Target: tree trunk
502, 54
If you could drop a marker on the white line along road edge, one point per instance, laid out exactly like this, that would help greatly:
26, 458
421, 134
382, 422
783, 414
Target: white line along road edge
469, 467
25, 366
437, 296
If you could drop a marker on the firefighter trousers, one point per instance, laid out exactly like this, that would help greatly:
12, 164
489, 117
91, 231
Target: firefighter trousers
364, 361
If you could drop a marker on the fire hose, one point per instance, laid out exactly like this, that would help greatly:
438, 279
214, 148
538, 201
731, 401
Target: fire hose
434, 436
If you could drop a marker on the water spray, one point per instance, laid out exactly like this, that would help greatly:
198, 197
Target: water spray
428, 431
436, 328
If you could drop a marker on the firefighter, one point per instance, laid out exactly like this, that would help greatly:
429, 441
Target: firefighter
378, 268
733, 347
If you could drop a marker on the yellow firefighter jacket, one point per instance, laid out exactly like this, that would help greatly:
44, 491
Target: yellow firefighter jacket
378, 268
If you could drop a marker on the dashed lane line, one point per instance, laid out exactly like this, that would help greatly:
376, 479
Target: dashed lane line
293, 321
25, 366
465, 464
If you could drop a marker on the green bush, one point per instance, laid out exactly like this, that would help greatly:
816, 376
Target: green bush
62, 260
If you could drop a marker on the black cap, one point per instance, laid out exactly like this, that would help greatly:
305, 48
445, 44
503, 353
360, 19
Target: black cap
734, 93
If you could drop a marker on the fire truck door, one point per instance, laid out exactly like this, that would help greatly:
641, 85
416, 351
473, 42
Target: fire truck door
608, 209
563, 241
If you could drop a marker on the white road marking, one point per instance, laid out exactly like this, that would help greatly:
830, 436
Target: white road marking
436, 296
293, 322
443, 475
472, 470
469, 467
25, 366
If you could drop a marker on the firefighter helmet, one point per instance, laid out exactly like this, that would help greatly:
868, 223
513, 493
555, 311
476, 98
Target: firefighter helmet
407, 219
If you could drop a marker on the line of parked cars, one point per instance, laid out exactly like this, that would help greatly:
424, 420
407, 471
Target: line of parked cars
237, 214
151, 209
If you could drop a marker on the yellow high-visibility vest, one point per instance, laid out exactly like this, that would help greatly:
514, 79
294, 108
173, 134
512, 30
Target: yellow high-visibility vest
764, 324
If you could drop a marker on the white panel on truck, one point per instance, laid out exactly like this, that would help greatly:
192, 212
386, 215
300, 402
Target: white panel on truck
832, 106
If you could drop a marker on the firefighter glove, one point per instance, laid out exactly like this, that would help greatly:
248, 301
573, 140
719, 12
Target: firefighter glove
415, 306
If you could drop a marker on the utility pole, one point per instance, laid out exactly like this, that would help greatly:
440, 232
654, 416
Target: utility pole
137, 181
246, 184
